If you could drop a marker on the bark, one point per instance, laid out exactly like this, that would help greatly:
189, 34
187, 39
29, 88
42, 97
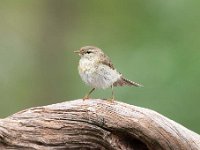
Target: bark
94, 124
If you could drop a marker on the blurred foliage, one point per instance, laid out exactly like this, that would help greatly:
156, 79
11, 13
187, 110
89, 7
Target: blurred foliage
156, 43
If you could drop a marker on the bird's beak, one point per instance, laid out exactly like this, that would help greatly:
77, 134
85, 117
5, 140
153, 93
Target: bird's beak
77, 51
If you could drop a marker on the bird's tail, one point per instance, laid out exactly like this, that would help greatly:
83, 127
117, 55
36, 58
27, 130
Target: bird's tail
125, 82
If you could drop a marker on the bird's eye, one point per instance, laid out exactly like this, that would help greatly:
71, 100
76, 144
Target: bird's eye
88, 52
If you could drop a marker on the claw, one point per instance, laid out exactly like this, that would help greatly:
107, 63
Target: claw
111, 100
85, 97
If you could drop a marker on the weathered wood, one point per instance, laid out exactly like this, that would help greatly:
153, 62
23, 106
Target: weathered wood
94, 124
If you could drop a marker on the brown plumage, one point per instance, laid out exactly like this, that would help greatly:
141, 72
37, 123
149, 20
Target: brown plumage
125, 82
122, 81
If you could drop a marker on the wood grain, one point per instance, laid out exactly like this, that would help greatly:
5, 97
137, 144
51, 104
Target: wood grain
94, 124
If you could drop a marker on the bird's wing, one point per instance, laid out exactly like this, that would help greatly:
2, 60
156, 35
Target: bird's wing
106, 61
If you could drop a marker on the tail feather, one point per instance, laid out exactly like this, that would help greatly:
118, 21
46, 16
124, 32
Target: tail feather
122, 82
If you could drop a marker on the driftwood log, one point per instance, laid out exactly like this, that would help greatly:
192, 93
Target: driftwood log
94, 124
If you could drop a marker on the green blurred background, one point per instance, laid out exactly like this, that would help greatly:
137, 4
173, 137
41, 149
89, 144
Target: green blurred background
153, 42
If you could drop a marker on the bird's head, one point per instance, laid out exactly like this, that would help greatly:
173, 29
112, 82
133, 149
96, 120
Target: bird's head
89, 52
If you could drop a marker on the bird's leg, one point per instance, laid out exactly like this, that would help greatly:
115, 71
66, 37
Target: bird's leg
113, 97
87, 95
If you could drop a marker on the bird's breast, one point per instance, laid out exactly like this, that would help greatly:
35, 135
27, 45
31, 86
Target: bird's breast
97, 75
86, 66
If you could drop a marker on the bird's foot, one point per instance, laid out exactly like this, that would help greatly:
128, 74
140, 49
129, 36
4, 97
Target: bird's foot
86, 97
111, 100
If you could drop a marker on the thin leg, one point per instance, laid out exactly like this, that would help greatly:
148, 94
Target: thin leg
113, 97
87, 95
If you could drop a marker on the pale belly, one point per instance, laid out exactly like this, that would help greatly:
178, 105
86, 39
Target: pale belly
99, 76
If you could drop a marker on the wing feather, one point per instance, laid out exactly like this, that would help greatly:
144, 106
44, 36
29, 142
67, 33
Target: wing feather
106, 61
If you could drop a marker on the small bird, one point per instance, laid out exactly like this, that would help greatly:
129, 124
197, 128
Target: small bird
97, 70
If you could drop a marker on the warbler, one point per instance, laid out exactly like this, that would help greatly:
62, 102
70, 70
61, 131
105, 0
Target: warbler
96, 70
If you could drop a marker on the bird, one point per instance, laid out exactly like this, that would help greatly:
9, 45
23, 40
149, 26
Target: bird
96, 70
